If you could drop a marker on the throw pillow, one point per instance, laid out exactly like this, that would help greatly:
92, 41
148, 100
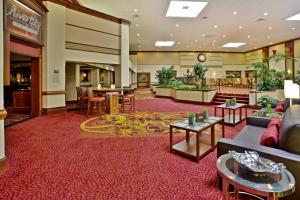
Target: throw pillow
279, 107
270, 137
275, 122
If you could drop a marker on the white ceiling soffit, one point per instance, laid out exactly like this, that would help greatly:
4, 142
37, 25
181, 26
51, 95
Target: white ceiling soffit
257, 23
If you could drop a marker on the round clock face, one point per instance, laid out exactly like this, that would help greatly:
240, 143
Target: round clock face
201, 57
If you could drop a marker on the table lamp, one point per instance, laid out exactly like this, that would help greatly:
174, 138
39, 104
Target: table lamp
291, 91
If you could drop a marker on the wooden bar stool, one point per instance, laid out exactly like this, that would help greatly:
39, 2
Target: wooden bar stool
95, 103
128, 101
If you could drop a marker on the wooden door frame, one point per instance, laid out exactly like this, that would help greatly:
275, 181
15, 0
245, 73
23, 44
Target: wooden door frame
149, 76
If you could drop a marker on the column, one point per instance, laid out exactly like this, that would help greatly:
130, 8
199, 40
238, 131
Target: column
124, 55
54, 59
95, 77
2, 110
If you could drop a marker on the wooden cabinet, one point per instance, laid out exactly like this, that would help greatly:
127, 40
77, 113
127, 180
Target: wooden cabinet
22, 102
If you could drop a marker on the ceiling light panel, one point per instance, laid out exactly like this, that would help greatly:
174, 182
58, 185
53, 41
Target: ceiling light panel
185, 8
164, 43
294, 17
233, 44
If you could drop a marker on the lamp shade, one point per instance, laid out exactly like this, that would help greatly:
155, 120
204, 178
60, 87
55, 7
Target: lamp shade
292, 91
286, 83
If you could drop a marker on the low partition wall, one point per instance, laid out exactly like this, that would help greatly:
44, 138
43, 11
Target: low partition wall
200, 96
256, 95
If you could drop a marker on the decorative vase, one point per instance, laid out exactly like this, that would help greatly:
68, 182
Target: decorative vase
227, 104
191, 121
205, 116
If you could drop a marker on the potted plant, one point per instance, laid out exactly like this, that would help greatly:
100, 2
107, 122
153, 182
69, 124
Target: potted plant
205, 113
227, 103
268, 110
191, 118
199, 75
233, 102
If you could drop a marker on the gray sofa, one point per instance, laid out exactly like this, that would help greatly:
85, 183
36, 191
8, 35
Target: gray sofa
289, 143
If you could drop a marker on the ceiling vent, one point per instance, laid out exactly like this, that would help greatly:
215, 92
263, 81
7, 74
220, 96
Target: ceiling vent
260, 20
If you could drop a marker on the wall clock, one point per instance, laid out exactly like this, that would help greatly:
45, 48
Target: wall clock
201, 57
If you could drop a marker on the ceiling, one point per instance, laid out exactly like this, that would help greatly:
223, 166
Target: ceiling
214, 26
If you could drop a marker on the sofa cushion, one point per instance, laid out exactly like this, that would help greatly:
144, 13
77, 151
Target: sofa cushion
275, 122
250, 134
279, 107
270, 137
289, 134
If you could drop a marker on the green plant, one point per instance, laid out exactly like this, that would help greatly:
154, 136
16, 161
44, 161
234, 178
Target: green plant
264, 75
269, 109
205, 111
173, 83
199, 74
164, 75
279, 78
265, 100
227, 102
191, 116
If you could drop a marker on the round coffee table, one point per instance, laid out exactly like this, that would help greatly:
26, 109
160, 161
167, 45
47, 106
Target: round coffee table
253, 184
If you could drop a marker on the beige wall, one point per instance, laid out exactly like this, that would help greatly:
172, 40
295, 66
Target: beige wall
72, 81
54, 55
253, 57
217, 63
2, 143
280, 50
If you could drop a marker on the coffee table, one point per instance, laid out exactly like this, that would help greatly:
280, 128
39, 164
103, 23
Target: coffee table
253, 184
232, 119
193, 146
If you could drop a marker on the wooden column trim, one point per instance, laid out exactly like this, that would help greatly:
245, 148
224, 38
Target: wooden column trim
3, 115
58, 92
3, 164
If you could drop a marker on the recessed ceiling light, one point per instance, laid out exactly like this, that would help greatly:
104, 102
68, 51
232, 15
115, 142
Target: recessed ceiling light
293, 28
265, 13
224, 36
268, 37
233, 44
212, 44
294, 17
214, 41
219, 47
249, 36
171, 34
196, 41
240, 27
271, 43
185, 8
234, 13
178, 43
135, 10
164, 43
137, 25
203, 35
177, 25
216, 26
138, 34
187, 46
270, 28
139, 46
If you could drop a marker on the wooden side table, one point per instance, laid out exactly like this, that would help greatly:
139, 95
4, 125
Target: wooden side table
112, 102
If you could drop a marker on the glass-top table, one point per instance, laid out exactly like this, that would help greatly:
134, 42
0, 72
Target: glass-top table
196, 146
260, 184
263, 114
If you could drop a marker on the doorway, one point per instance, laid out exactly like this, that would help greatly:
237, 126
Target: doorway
143, 79
21, 96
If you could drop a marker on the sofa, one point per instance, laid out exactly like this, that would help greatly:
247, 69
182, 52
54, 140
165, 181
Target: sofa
287, 152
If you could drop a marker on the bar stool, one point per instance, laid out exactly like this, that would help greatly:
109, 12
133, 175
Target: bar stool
128, 101
95, 103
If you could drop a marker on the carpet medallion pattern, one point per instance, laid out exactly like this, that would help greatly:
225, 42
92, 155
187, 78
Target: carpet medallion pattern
139, 123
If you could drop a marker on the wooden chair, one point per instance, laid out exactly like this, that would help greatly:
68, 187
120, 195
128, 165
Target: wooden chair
95, 103
128, 101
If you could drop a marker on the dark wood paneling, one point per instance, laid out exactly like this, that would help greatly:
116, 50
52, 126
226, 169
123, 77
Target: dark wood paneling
36, 86
54, 92
48, 111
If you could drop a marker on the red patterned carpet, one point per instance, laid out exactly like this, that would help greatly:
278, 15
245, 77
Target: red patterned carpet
49, 160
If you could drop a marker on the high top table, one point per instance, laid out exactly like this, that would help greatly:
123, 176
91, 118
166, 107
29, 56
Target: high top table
104, 90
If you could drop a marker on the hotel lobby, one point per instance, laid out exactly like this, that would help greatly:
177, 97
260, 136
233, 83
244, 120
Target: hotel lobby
161, 99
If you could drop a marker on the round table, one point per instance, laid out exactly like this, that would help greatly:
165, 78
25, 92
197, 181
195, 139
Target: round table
253, 184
